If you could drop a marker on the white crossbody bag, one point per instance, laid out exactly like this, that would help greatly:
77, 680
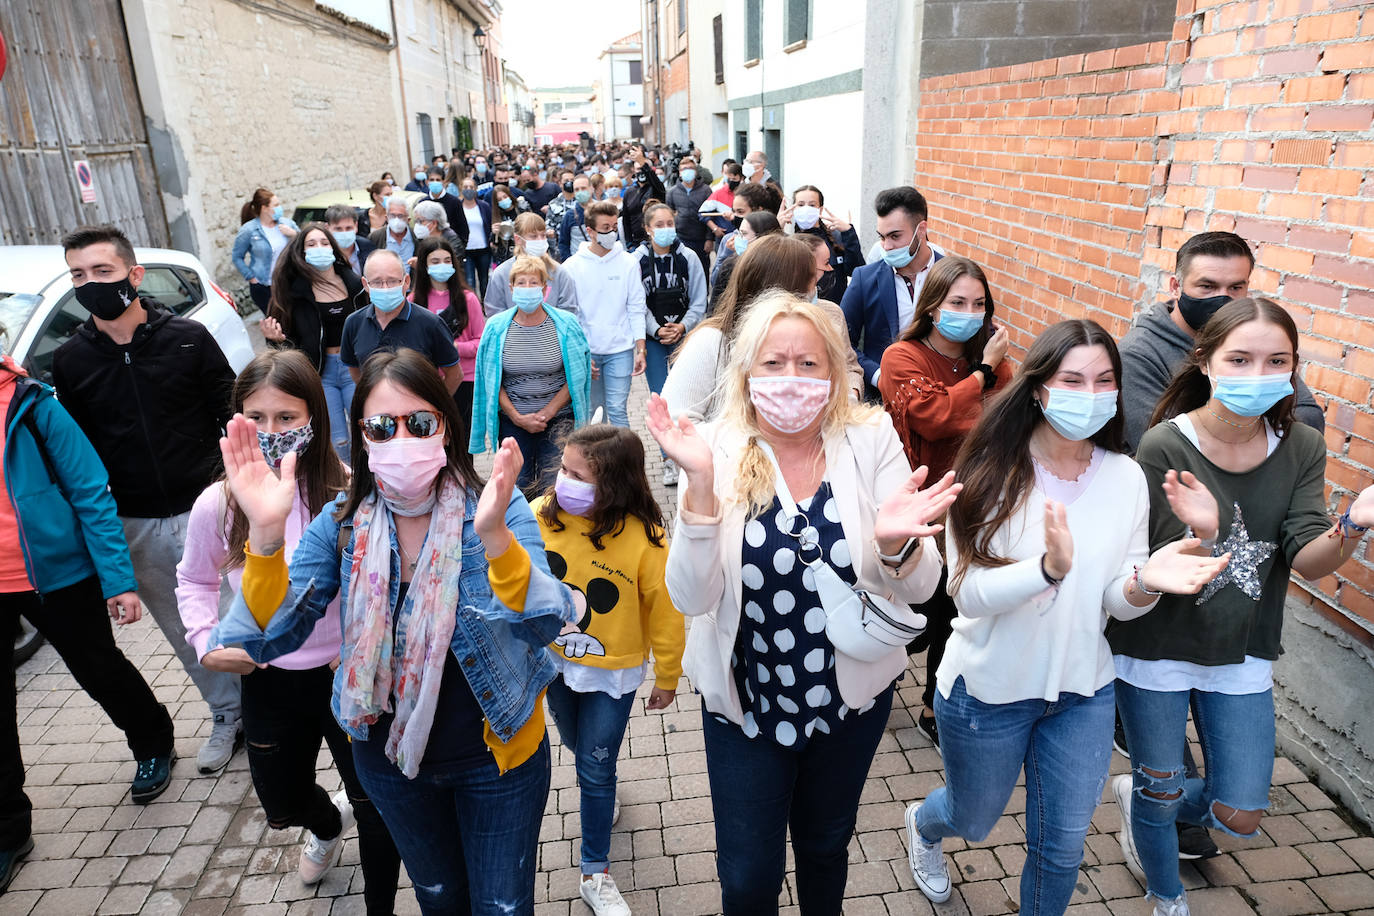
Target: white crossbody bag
858, 623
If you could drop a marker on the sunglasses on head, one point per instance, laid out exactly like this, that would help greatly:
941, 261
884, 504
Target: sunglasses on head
383, 427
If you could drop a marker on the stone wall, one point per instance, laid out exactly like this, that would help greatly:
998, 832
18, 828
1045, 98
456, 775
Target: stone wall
273, 93
1075, 179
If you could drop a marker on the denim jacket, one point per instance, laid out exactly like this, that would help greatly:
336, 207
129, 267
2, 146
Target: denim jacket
500, 649
251, 240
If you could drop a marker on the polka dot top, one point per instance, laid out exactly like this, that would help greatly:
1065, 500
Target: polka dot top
784, 666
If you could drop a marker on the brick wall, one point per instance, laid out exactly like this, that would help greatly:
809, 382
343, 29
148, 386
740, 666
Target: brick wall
1074, 180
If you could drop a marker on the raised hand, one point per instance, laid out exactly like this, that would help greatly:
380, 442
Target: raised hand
995, 350
1058, 540
1193, 504
910, 511
265, 496
1174, 569
679, 440
833, 222
271, 330
490, 518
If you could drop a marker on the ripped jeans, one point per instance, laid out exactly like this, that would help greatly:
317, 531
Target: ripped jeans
1237, 736
1064, 747
592, 726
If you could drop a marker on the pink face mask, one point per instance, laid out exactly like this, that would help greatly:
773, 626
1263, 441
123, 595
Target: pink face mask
405, 469
575, 496
788, 403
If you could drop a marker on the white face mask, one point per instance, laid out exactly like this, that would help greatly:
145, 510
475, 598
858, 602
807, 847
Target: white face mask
607, 240
396, 224
536, 248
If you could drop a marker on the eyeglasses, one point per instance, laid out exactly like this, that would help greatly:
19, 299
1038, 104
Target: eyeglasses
383, 427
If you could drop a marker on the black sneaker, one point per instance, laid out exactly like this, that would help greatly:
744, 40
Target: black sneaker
926, 726
1119, 739
152, 777
9, 862
1194, 842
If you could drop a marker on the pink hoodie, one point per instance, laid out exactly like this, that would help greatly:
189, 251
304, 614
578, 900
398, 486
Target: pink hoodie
199, 579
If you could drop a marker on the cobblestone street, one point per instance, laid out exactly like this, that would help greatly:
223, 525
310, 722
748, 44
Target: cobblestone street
204, 846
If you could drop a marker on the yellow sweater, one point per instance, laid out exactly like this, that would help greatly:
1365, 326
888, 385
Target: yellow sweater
620, 590
267, 579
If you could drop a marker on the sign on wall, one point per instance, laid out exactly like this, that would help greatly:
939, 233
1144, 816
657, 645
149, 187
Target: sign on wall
85, 181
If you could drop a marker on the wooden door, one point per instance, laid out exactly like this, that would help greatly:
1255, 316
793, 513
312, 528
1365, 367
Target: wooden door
67, 96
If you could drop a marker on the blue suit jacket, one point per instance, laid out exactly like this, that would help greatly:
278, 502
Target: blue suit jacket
870, 310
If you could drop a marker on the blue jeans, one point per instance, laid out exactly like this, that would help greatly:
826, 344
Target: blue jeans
338, 394
656, 356
760, 789
477, 267
592, 726
469, 838
1064, 746
611, 389
543, 453
1237, 736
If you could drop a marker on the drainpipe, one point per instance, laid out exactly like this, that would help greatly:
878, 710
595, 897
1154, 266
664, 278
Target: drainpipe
400, 74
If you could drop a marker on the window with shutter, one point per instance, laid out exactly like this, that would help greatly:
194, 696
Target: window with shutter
797, 24
718, 40
753, 22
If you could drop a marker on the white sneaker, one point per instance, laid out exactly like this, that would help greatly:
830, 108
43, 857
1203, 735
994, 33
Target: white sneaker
600, 893
318, 856
669, 472
615, 811
1177, 907
1122, 787
927, 860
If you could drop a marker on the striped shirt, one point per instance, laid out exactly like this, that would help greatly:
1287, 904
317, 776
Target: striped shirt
531, 365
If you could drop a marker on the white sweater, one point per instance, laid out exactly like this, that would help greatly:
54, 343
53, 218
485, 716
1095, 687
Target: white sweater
1015, 638
610, 297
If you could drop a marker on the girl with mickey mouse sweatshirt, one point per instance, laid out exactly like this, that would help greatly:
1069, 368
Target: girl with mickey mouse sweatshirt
603, 535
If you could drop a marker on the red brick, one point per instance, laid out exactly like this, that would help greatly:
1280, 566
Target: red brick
1324, 28
1299, 60
1300, 289
1359, 274
1352, 55
1330, 182
1276, 179
1331, 240
1341, 117
1314, 88
1287, 260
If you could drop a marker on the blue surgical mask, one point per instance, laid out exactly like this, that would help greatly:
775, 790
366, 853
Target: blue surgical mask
689, 175
505, 203
441, 272
469, 193
664, 238
899, 257
958, 326
481, 168
1078, 415
386, 202
741, 243
419, 176
527, 298
277, 212
543, 173
387, 300
582, 196
346, 239
1251, 395
320, 257
436, 188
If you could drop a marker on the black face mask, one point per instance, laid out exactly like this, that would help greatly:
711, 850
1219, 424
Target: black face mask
567, 187
641, 178
107, 301
733, 183
738, 221
1196, 311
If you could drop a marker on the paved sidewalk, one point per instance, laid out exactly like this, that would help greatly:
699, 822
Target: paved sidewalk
204, 846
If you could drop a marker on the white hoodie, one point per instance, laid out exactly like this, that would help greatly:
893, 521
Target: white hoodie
610, 297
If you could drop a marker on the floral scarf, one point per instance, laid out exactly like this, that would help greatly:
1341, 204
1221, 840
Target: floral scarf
410, 667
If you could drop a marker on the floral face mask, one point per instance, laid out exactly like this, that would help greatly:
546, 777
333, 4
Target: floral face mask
276, 446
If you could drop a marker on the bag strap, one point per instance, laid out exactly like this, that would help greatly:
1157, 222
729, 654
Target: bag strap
345, 535
789, 505
32, 425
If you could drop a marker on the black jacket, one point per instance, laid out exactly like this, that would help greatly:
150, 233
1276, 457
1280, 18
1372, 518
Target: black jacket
154, 409
306, 332
636, 196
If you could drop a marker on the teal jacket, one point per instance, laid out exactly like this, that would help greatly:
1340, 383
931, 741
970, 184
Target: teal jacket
68, 529
486, 385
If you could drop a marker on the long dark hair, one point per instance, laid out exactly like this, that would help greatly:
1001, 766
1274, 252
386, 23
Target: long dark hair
1191, 388
942, 276
292, 266
622, 491
410, 370
252, 208
994, 463
420, 283
774, 261
318, 469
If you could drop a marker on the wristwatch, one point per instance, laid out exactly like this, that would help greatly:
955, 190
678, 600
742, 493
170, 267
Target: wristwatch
989, 376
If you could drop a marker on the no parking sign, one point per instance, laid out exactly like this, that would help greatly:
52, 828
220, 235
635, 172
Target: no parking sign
85, 181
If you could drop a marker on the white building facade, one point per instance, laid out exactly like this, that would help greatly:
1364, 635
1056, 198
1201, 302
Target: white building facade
440, 62
621, 69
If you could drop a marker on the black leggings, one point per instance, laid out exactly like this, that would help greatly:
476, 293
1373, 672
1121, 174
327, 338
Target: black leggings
940, 613
285, 714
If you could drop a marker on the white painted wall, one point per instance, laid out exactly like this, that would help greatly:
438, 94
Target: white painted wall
836, 46
823, 144
708, 98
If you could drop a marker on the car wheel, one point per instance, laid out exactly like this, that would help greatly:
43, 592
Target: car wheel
27, 641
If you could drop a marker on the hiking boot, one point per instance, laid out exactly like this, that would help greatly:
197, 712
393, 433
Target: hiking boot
152, 777
9, 861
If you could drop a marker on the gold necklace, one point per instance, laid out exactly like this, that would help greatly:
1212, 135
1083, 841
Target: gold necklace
1254, 422
1253, 433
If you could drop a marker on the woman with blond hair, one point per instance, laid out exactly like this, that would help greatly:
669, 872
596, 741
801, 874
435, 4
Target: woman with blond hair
530, 239
793, 487
532, 381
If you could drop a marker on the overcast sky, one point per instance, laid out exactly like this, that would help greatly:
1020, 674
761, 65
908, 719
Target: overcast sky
556, 44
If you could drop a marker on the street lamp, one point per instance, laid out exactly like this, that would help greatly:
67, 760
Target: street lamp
480, 37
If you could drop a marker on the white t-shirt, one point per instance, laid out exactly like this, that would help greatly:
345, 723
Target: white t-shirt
277, 239
477, 235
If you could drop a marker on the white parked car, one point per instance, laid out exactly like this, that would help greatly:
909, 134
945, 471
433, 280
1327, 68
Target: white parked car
38, 307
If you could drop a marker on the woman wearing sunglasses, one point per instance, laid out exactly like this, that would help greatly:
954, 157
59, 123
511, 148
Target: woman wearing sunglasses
449, 745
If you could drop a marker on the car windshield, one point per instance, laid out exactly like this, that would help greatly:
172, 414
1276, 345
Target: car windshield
15, 311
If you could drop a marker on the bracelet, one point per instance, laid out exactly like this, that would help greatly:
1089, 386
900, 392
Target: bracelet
1046, 573
1349, 528
1209, 543
1139, 585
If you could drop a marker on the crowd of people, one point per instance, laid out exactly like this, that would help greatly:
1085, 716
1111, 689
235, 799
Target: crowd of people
861, 475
